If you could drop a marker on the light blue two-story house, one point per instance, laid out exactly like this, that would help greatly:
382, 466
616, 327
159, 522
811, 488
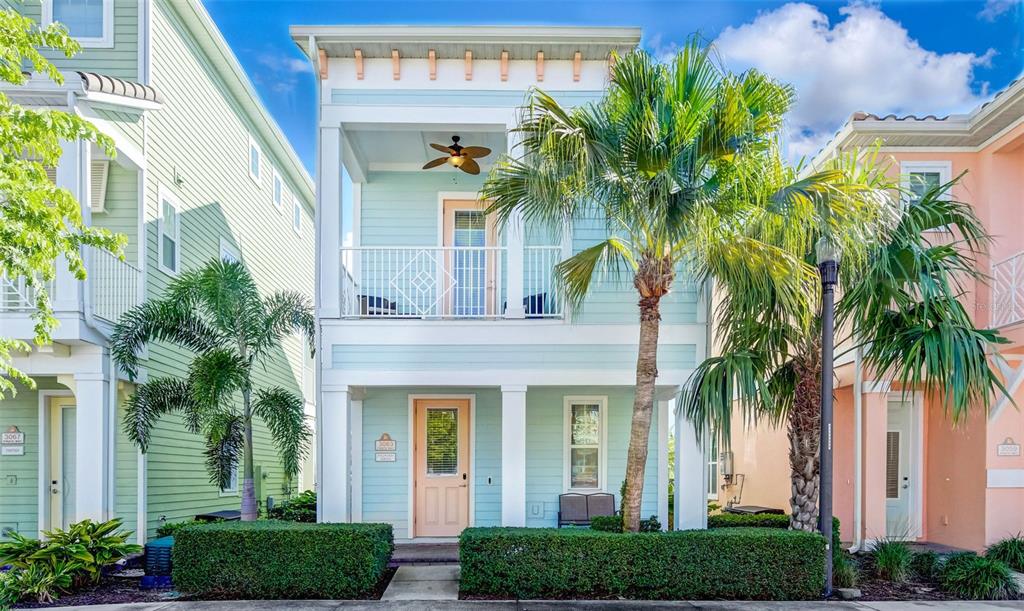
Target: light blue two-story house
455, 389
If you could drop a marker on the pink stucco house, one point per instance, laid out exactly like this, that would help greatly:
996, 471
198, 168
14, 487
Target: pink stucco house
901, 468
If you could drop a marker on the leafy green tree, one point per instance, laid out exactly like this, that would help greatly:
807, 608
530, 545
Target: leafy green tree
899, 301
674, 159
40, 221
217, 313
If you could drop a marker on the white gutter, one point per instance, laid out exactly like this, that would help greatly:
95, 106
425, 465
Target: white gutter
858, 452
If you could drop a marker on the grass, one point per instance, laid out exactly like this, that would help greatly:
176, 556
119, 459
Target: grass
973, 577
1010, 551
892, 560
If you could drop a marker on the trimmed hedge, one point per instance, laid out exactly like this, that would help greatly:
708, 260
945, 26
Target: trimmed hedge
740, 520
734, 563
270, 559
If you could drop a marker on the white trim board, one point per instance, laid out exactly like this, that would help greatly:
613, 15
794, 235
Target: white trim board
916, 400
43, 466
1005, 478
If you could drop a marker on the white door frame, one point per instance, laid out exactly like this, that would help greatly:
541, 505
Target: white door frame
410, 516
43, 487
916, 400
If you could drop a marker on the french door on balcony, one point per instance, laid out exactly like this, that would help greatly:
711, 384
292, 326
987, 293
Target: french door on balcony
470, 260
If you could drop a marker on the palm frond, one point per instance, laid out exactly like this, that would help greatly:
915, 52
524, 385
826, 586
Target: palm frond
166, 320
283, 413
215, 375
225, 443
576, 273
152, 400
287, 312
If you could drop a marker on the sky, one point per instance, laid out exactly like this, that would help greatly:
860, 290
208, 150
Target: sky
904, 57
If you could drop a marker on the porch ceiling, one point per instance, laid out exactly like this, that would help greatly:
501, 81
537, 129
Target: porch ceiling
381, 149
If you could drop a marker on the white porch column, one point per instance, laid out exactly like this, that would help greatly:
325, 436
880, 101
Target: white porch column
664, 408
92, 446
691, 477
328, 222
514, 238
513, 455
333, 468
72, 174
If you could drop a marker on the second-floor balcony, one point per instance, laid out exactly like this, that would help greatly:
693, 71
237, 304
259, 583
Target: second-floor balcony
112, 288
451, 282
1008, 291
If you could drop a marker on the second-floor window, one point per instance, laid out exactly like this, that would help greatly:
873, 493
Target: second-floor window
296, 216
91, 22
584, 420
169, 227
255, 158
278, 190
919, 177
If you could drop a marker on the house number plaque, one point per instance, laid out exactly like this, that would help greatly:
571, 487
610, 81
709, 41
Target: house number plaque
12, 442
384, 449
1008, 448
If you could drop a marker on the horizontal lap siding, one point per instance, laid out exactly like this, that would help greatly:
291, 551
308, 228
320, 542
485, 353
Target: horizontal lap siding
130, 125
120, 61
400, 208
121, 206
545, 450
513, 356
201, 137
19, 488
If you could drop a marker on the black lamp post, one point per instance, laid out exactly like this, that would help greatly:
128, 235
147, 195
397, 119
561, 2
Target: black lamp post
828, 266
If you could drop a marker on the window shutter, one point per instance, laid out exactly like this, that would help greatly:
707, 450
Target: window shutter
98, 186
892, 465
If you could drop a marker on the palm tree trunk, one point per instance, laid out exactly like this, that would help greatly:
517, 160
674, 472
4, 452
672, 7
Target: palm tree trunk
804, 438
249, 512
643, 408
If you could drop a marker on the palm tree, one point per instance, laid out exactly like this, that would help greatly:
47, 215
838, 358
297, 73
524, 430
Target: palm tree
900, 283
218, 314
671, 159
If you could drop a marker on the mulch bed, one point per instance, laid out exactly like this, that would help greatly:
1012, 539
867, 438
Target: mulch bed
123, 587
873, 588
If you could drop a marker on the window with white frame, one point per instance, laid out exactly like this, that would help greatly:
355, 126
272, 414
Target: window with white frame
278, 190
169, 233
585, 443
296, 216
712, 450
919, 177
90, 22
255, 158
229, 252
232, 487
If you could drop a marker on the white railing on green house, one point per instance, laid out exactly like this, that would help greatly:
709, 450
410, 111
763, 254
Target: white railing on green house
540, 299
113, 284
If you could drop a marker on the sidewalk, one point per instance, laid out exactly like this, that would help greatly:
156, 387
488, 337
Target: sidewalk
464, 605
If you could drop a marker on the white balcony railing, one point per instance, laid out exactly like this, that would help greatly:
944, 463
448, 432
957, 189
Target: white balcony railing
540, 299
1008, 291
113, 285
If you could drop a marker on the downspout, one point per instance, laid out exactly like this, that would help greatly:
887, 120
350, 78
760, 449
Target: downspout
858, 445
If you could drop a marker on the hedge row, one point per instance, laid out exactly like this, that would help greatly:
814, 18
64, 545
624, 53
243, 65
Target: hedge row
730, 563
734, 520
270, 559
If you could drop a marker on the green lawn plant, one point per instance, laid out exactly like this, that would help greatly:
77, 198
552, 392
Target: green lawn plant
891, 559
926, 565
1010, 551
972, 577
63, 561
300, 508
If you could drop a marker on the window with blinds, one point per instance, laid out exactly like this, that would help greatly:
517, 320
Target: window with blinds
585, 446
442, 441
892, 465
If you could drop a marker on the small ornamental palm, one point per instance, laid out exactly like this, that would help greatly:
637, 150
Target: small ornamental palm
218, 314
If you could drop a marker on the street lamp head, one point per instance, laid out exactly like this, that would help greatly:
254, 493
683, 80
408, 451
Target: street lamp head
826, 251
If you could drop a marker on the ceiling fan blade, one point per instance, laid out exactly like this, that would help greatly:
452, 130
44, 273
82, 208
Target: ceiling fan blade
469, 166
441, 147
435, 162
476, 151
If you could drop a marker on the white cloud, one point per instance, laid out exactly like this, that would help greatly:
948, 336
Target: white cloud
996, 8
865, 61
279, 73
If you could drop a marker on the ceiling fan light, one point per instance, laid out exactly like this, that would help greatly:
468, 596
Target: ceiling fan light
456, 160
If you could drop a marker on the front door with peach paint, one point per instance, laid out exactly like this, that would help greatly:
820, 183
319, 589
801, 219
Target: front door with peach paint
441, 467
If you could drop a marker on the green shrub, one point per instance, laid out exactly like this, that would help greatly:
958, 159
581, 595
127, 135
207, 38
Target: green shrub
735, 563
270, 559
742, 520
301, 508
650, 525
611, 524
169, 528
973, 577
1010, 551
844, 571
891, 559
65, 560
925, 565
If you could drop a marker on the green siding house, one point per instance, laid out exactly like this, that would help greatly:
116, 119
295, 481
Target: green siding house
201, 171
454, 387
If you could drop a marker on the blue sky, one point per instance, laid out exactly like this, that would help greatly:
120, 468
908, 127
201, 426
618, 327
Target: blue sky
908, 56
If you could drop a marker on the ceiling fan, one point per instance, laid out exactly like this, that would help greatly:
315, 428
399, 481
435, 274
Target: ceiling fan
462, 157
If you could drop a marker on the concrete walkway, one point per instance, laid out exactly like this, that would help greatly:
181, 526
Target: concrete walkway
463, 605
419, 582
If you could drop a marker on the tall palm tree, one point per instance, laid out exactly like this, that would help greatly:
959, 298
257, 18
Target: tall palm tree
671, 159
900, 281
218, 314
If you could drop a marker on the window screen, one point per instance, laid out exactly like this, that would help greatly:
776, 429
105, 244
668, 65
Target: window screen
922, 182
442, 441
83, 18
